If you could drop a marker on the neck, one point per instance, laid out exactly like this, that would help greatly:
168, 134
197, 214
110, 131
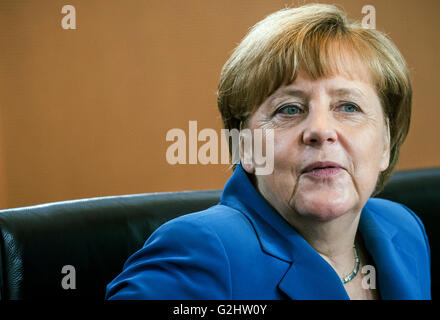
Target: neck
333, 239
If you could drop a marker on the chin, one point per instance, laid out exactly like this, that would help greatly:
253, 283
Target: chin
324, 209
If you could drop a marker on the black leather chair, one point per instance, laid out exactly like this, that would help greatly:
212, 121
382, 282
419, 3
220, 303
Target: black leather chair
97, 235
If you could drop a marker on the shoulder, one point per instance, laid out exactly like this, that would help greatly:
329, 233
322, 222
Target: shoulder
410, 231
397, 215
216, 221
185, 258
408, 236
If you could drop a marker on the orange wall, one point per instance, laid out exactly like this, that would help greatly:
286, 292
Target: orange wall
3, 195
85, 112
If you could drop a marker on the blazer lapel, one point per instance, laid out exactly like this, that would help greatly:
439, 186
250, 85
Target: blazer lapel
310, 277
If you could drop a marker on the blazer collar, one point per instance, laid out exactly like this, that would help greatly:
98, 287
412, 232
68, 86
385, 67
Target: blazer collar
272, 230
308, 275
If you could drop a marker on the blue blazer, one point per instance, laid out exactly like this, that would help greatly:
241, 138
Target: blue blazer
243, 249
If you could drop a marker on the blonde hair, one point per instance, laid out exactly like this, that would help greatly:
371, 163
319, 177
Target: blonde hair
319, 39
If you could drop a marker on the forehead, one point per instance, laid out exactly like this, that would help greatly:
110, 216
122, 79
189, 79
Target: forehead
336, 85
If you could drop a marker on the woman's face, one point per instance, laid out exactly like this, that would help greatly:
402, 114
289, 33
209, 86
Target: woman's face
331, 141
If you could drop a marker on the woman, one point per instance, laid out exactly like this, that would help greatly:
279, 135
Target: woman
337, 99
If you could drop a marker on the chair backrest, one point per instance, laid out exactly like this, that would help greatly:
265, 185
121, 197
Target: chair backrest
419, 190
96, 236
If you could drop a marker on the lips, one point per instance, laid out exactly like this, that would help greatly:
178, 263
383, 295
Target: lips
322, 169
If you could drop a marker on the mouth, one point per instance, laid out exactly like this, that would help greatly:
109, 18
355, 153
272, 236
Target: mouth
322, 169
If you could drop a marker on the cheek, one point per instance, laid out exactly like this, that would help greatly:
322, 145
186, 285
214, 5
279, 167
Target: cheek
366, 157
287, 150
277, 189
281, 183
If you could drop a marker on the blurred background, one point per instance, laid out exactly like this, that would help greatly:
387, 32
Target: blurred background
85, 112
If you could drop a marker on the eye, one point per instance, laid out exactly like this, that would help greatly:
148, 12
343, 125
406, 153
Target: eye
350, 108
289, 109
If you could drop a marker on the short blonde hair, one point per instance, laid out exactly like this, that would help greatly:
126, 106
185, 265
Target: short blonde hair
319, 39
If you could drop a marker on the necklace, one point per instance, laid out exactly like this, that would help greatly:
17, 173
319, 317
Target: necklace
351, 276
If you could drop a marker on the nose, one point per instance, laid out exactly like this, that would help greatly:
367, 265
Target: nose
319, 129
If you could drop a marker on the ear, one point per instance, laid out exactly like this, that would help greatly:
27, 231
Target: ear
385, 157
246, 154
248, 167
